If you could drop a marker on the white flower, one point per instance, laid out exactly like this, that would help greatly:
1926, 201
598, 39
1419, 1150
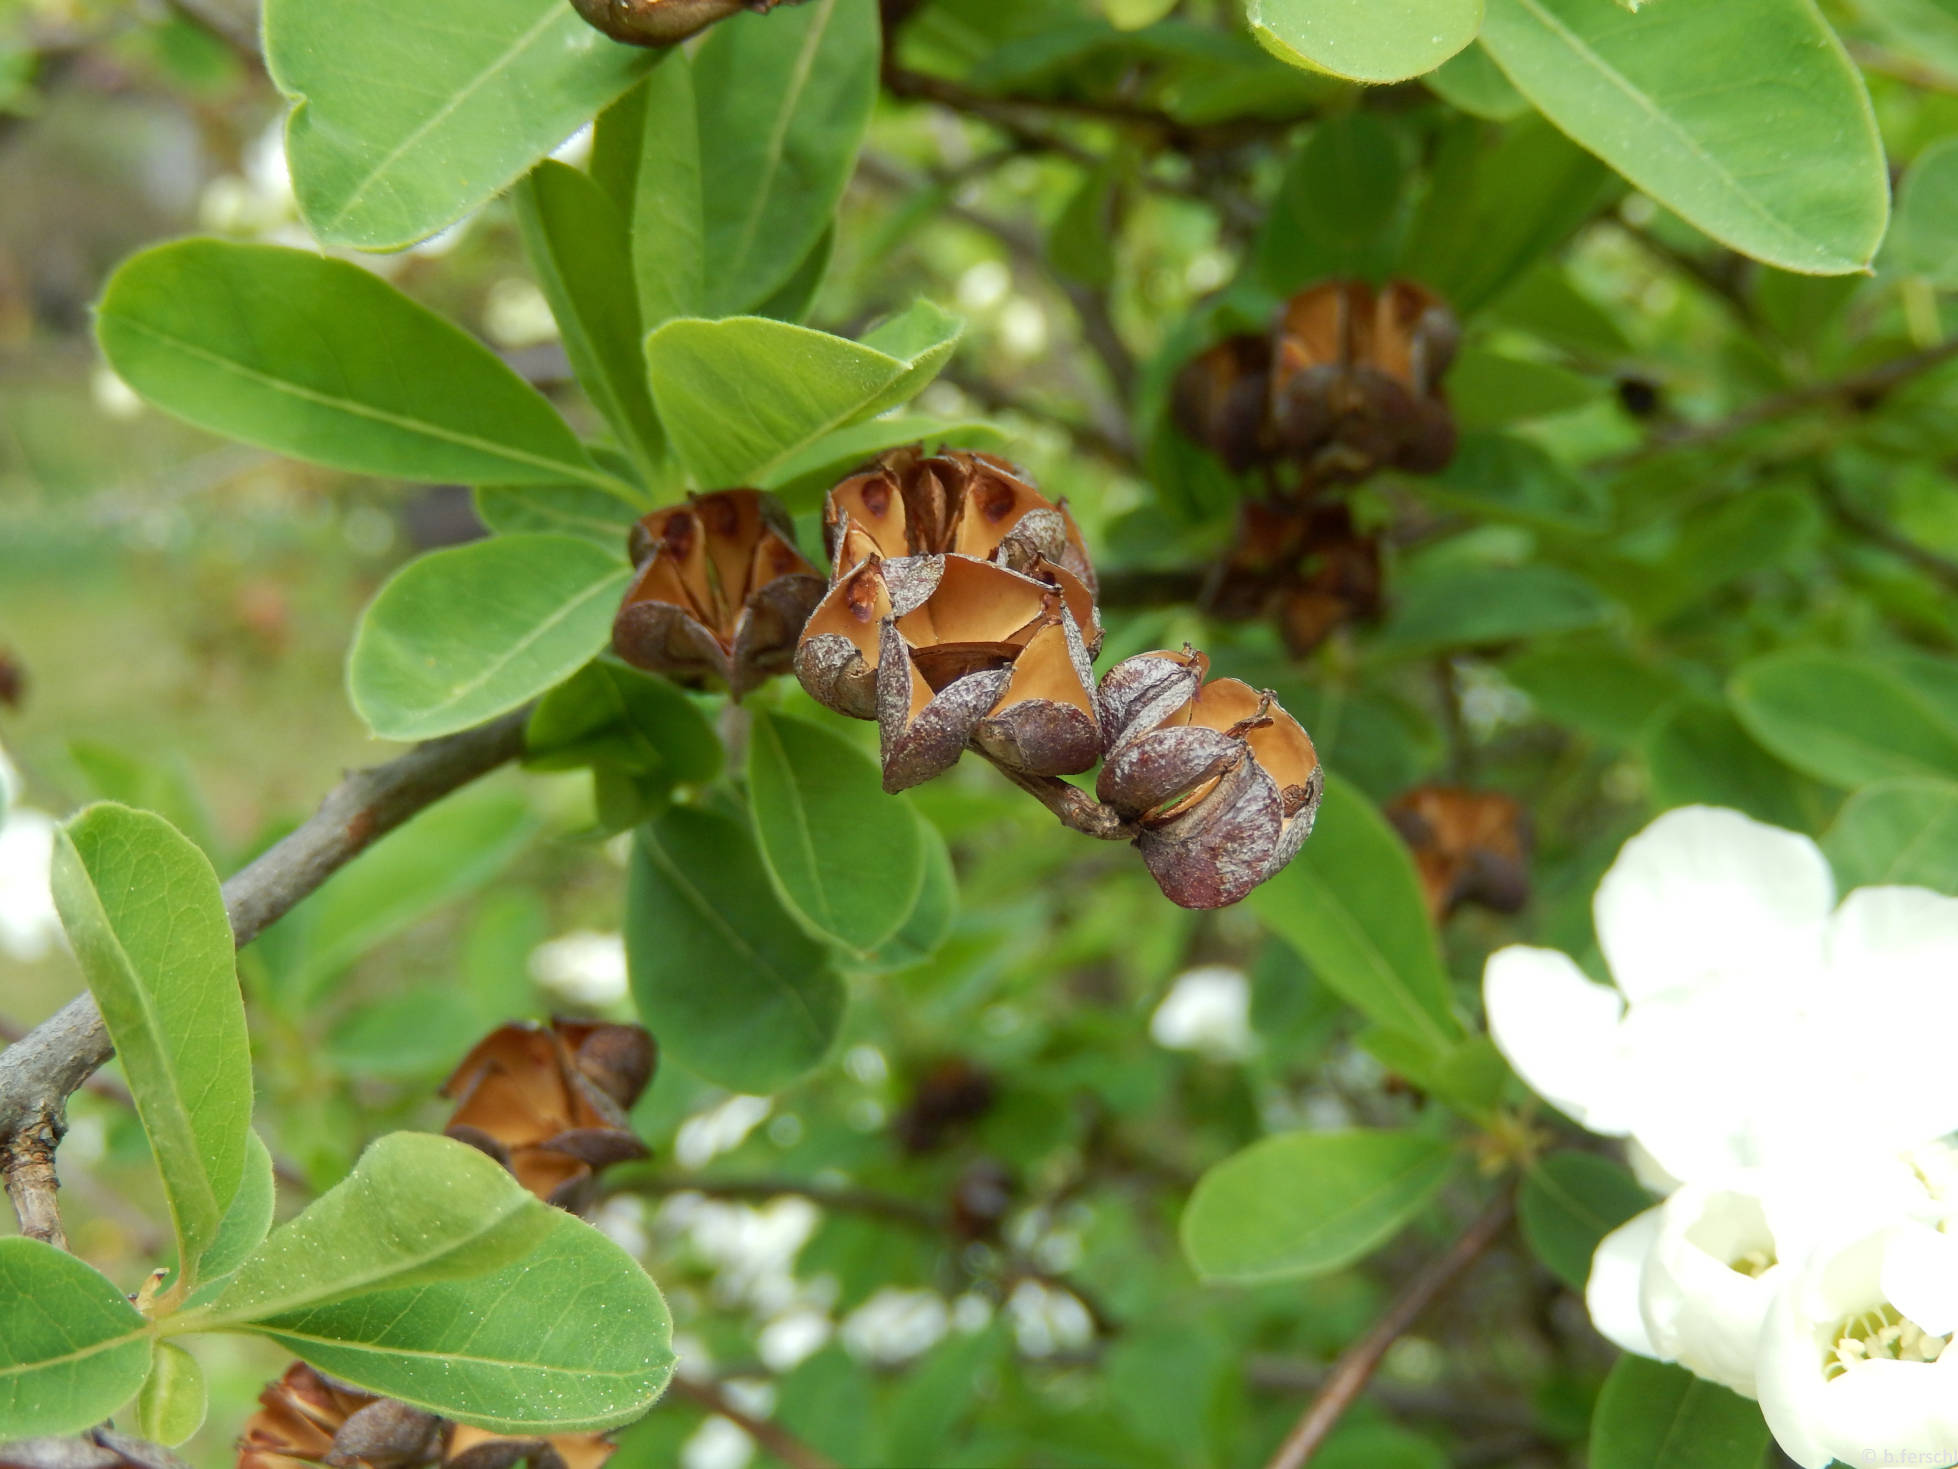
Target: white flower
1852, 1361
1207, 1010
1748, 1023
583, 966
29, 926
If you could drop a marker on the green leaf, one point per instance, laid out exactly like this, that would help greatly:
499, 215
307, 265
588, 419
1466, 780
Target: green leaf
669, 228
249, 1219
404, 121
173, 1400
569, 510
1569, 1201
1595, 686
784, 101
1924, 239
145, 915
1496, 205
72, 1348
1899, 832
1844, 720
1507, 477
1365, 40
1698, 754
1481, 606
794, 386
845, 857
931, 917
1652, 1415
1351, 904
1471, 80
321, 360
430, 1275
576, 240
1489, 390
1306, 1203
152, 781
1746, 118
1924, 30
726, 978
1357, 160
450, 849
608, 711
462, 635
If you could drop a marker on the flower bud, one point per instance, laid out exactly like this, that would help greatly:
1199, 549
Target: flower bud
1223, 783
720, 590
1356, 380
662, 22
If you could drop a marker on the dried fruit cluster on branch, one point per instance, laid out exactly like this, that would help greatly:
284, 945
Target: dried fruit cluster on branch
1347, 383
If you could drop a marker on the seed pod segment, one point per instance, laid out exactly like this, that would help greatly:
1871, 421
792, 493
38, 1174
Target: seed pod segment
662, 22
1469, 847
1223, 783
1221, 399
720, 590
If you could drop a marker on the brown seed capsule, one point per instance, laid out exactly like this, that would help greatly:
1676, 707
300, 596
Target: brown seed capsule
549, 1104
1469, 847
1306, 566
1356, 380
1223, 783
948, 1097
1221, 398
720, 590
662, 22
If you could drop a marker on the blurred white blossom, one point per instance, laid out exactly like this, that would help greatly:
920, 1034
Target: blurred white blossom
1207, 1010
584, 967
895, 1325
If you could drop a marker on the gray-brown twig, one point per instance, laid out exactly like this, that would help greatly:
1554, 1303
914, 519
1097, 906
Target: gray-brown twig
1357, 1364
41, 1071
27, 1163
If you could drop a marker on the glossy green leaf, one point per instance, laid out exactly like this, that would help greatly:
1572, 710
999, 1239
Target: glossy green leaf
1496, 205
931, 917
1699, 754
322, 360
443, 110
1358, 160
173, 1401
568, 510
144, 913
784, 101
1483, 606
72, 1348
723, 975
794, 386
249, 1218
1305, 1203
1569, 1201
432, 1276
576, 240
1652, 1415
1365, 40
845, 857
1897, 832
159, 781
613, 713
1924, 239
669, 249
462, 635
1845, 720
1471, 80
1351, 904
1746, 118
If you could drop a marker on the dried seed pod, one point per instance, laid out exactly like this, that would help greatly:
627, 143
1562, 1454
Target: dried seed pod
1045, 721
836, 660
662, 22
386, 1435
720, 590
1356, 380
1220, 399
297, 1419
952, 1094
1224, 785
1469, 847
549, 1104
1307, 567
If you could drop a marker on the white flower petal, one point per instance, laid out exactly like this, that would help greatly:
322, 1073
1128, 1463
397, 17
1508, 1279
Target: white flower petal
1701, 1308
1920, 1277
1558, 1030
1788, 1379
1885, 1413
1611, 1294
1708, 892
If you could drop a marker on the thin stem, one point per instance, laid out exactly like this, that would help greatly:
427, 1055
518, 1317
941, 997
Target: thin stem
1358, 1363
1077, 810
772, 1436
1939, 568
